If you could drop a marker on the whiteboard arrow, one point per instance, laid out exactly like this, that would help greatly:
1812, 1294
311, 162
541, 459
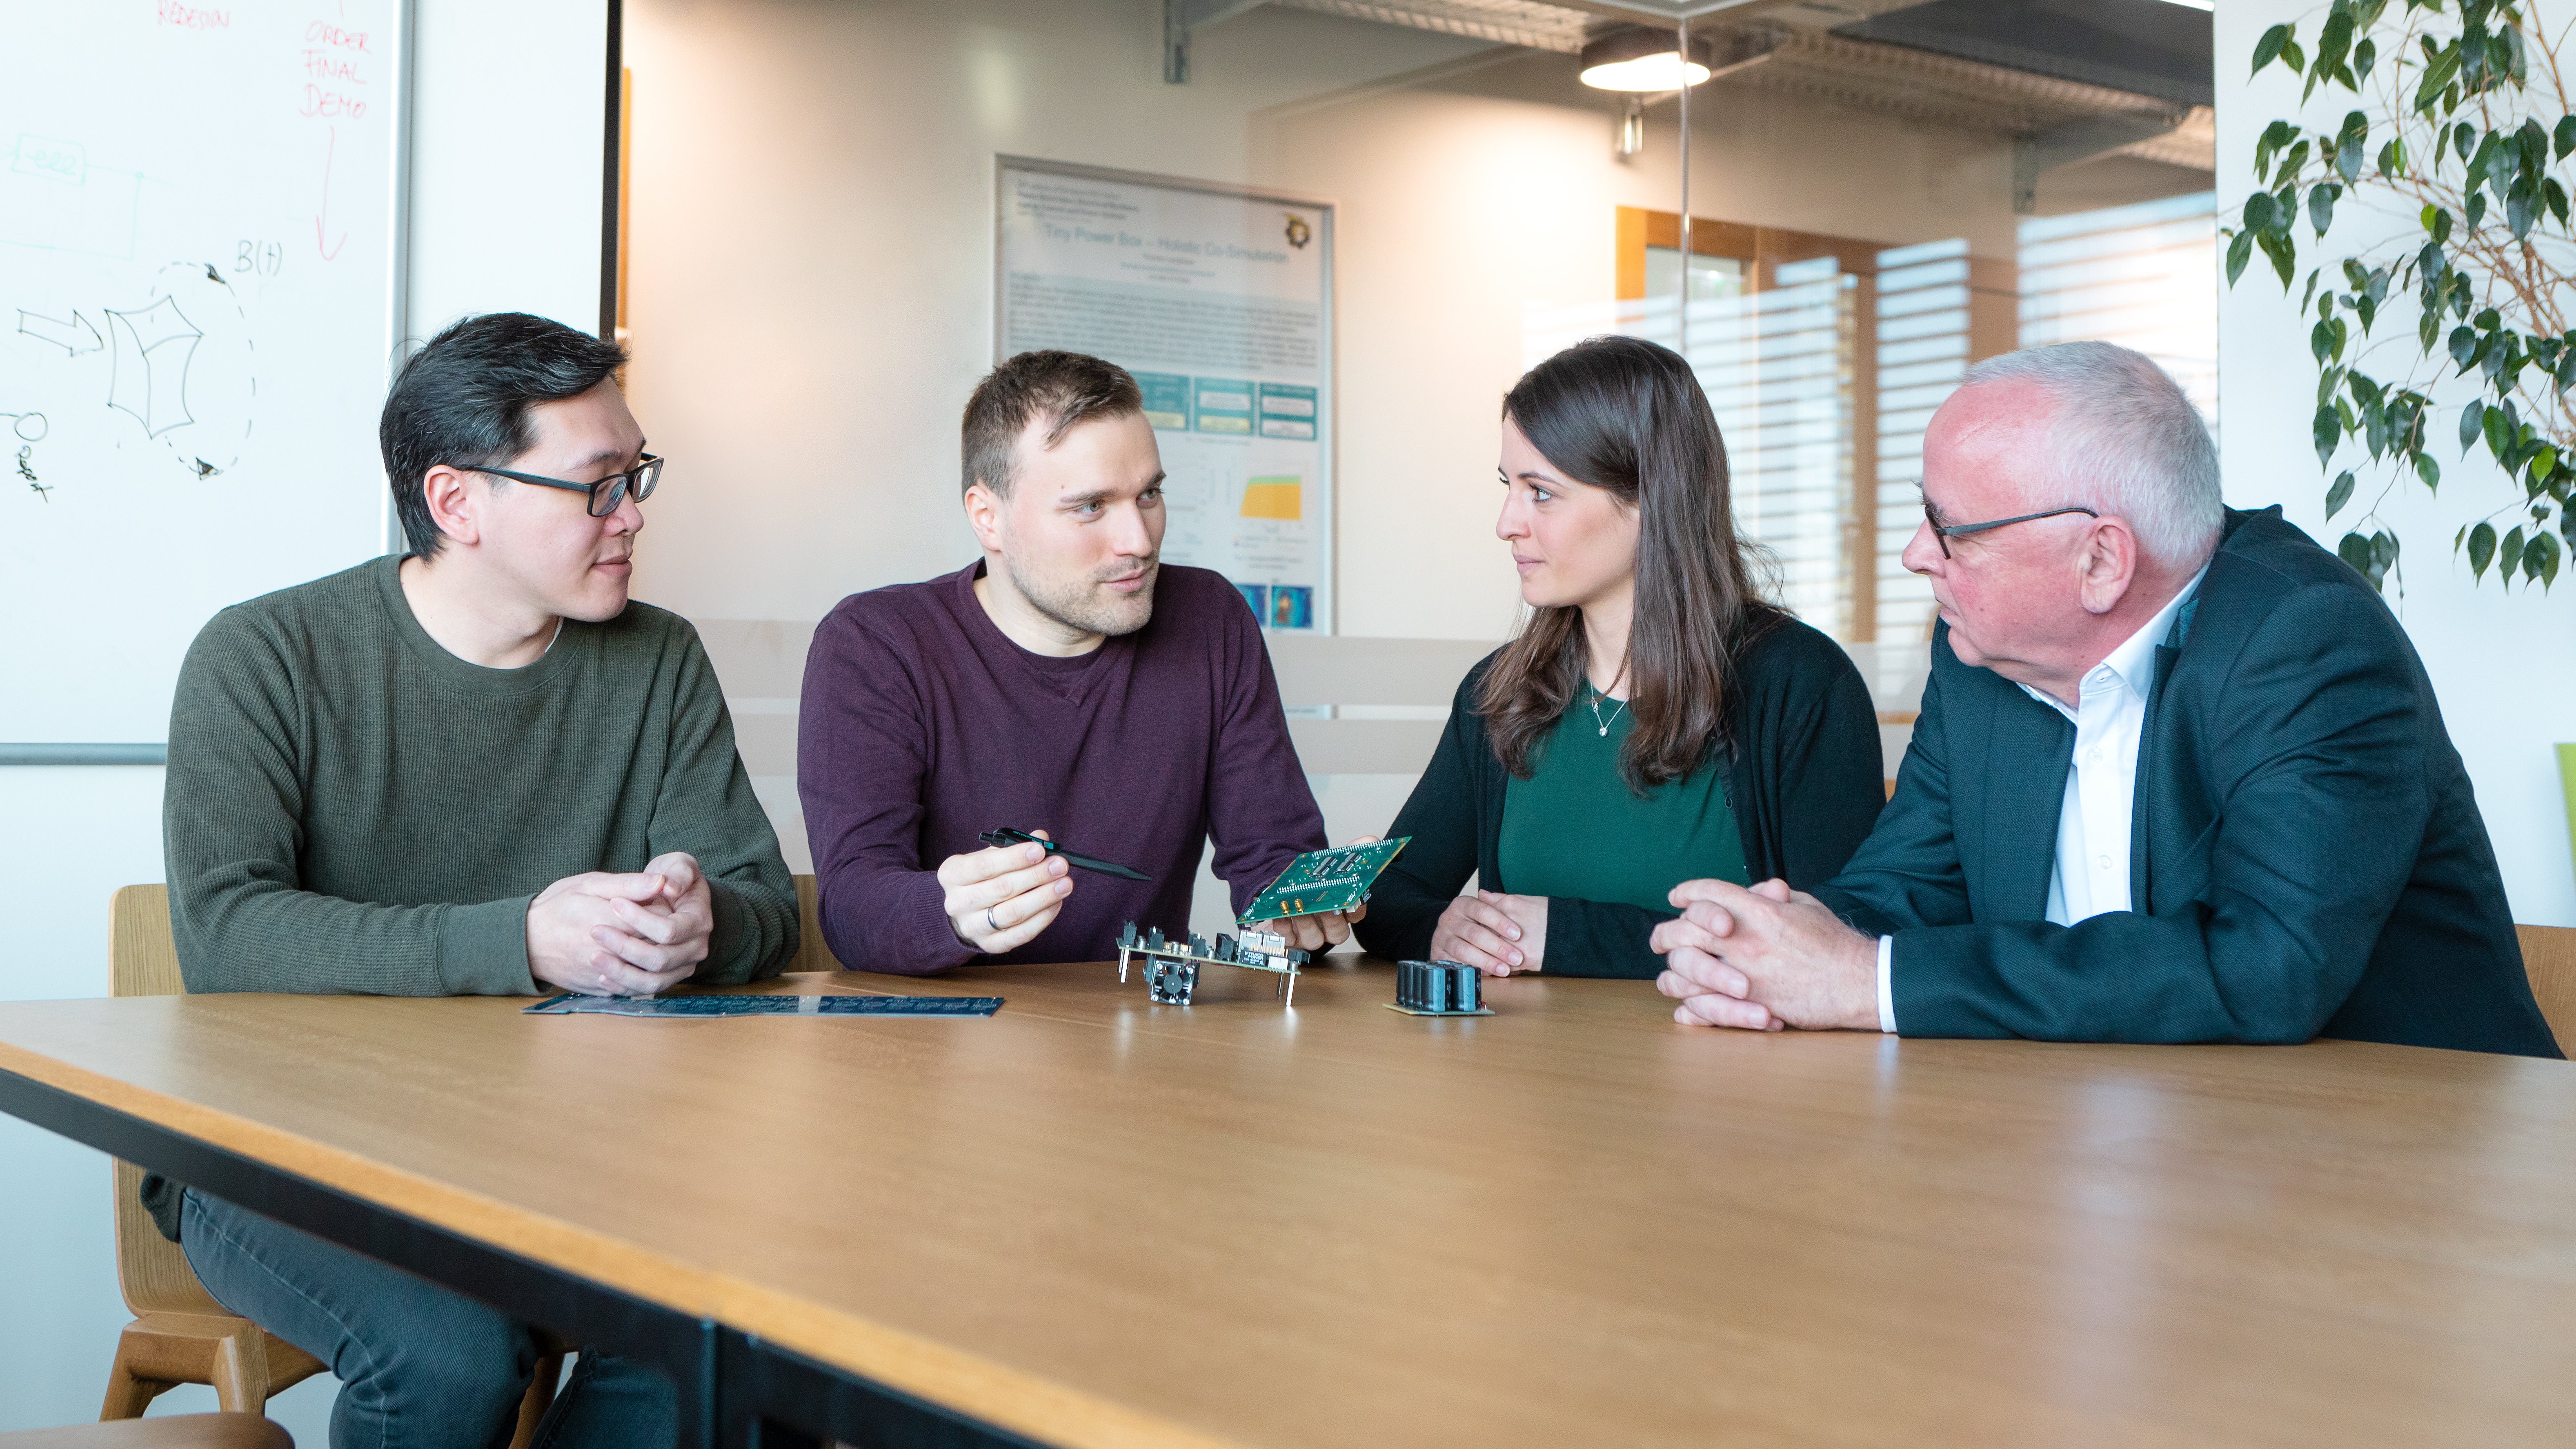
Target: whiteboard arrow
330, 250
66, 335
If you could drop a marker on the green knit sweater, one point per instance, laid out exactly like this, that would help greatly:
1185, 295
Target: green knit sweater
351, 808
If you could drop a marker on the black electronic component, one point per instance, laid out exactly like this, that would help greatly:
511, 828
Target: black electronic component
1438, 988
1172, 966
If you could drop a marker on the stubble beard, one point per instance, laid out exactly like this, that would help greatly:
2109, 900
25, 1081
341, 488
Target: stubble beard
1084, 606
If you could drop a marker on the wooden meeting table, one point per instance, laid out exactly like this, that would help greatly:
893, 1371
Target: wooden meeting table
1091, 1220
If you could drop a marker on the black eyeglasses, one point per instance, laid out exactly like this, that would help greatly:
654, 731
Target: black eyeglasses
605, 494
1942, 536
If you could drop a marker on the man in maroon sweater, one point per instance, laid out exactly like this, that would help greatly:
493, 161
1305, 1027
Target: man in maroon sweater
1067, 682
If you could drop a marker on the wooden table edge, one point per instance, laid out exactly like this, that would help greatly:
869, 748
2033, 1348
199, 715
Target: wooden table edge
953, 1379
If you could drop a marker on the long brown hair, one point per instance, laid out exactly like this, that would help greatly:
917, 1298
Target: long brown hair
1623, 414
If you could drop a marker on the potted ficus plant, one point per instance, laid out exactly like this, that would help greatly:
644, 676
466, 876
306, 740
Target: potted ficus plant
2462, 123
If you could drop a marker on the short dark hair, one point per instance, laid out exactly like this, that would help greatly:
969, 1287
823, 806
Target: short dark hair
1067, 388
463, 401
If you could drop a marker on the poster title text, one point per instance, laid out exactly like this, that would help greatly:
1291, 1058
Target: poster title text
1230, 251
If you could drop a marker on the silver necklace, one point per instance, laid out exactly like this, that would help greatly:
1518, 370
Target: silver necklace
1593, 698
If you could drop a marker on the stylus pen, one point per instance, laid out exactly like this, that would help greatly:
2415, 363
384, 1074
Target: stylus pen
1005, 835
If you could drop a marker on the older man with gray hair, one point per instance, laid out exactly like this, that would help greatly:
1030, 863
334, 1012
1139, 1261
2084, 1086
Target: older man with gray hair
2178, 775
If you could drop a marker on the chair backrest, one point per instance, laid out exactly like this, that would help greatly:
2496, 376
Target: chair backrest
2549, 959
811, 953
1356, 675
143, 961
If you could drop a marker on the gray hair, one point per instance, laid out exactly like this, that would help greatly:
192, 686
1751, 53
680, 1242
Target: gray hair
2124, 441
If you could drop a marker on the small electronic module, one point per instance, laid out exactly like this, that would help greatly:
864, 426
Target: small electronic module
1324, 880
1438, 988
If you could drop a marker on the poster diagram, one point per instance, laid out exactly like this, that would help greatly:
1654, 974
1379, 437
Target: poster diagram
1220, 302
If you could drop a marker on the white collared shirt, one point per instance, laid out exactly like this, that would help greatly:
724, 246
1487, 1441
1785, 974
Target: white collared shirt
2091, 874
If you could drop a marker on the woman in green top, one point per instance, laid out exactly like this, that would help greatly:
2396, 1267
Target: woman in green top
1656, 720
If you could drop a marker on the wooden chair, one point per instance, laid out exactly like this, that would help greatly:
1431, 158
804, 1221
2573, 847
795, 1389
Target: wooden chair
2549, 959
178, 1431
180, 1334
811, 953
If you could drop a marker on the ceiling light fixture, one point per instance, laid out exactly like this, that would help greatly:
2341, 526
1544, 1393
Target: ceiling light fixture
1644, 60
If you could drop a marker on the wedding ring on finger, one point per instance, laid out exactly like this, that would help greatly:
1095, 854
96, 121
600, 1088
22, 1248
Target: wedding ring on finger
989, 921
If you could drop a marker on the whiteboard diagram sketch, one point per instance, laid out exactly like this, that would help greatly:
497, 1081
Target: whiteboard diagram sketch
154, 363
200, 293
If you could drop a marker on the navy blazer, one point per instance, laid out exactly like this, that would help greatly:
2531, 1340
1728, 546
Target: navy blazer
2305, 855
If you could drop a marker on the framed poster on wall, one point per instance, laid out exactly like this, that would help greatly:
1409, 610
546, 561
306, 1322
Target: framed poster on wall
1220, 300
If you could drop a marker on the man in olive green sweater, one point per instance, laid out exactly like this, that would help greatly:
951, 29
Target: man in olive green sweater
476, 770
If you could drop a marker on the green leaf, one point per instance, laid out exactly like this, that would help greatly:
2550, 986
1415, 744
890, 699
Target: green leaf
2340, 494
2238, 252
2355, 550
2321, 200
2296, 58
2383, 547
2476, 210
2541, 557
2482, 547
2464, 351
2349, 143
2472, 425
2392, 158
2437, 221
2509, 556
2268, 50
2364, 56
2274, 137
2333, 42
2259, 210
2556, 196
2564, 140
2439, 72
2327, 430
2520, 205
2428, 470
2284, 254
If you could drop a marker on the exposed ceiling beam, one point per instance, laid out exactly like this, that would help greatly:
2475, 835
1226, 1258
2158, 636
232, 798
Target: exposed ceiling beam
1180, 18
2075, 141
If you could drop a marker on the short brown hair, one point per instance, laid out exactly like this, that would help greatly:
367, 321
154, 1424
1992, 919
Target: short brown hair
1067, 388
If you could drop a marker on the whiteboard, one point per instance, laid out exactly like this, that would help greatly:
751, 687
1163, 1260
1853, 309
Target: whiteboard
1220, 301
200, 297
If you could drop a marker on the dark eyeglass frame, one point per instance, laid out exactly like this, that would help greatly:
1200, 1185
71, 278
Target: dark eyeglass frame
1942, 536
639, 480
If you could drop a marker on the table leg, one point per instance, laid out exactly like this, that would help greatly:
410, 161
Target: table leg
769, 1393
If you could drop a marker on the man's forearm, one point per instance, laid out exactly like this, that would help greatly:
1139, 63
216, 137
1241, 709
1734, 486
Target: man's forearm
251, 937
894, 921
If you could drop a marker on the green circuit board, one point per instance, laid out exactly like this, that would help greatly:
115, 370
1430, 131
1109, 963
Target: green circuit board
1324, 880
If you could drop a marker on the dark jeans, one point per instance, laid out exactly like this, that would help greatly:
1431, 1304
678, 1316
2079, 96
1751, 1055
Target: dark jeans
420, 1367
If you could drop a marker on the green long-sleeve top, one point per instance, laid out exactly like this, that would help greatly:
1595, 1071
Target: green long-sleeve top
351, 808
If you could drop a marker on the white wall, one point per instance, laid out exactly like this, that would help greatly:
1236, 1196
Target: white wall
505, 213
2498, 659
